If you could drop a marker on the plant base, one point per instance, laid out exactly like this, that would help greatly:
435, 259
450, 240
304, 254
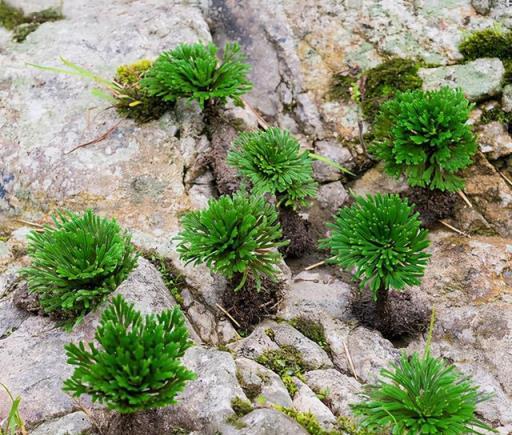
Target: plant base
249, 306
432, 205
297, 231
405, 316
221, 135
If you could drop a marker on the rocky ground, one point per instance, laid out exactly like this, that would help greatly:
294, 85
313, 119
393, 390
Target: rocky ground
146, 176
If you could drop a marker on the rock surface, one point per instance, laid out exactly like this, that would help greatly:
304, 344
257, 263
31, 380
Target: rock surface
478, 80
32, 358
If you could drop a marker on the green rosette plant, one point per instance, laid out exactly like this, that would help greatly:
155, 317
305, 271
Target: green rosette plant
233, 236
77, 262
193, 71
382, 240
136, 363
274, 163
426, 137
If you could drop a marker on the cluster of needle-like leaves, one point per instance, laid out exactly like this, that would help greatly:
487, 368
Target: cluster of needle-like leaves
381, 238
425, 136
421, 395
193, 71
274, 163
136, 363
77, 262
233, 236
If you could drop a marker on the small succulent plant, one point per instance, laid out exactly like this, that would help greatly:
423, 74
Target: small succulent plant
77, 262
193, 71
382, 239
233, 236
425, 136
273, 162
422, 394
136, 363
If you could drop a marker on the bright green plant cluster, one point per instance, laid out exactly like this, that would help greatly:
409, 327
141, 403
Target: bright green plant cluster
193, 71
381, 238
425, 136
421, 395
234, 236
273, 162
77, 262
136, 364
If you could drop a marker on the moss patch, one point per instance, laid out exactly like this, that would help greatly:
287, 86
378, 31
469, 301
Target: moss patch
133, 101
308, 421
312, 330
492, 42
285, 361
172, 279
341, 87
496, 114
241, 407
385, 80
22, 25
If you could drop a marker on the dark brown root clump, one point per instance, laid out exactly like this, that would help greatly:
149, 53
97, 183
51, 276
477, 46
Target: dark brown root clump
432, 205
405, 316
222, 136
151, 422
297, 231
248, 306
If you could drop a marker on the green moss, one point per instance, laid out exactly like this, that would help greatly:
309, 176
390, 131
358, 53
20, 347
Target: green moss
385, 80
270, 333
10, 17
491, 42
290, 385
285, 361
22, 25
312, 330
235, 421
343, 426
496, 114
134, 102
172, 279
341, 86
241, 407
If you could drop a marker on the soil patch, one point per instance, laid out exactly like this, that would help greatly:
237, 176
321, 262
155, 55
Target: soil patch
298, 231
250, 306
407, 317
432, 205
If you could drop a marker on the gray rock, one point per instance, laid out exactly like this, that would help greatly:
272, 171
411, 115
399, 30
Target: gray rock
494, 140
312, 354
253, 346
336, 152
257, 380
376, 180
479, 79
267, 422
483, 7
368, 366
204, 322
314, 294
506, 101
340, 390
206, 402
305, 400
138, 166
332, 196
32, 358
75, 423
